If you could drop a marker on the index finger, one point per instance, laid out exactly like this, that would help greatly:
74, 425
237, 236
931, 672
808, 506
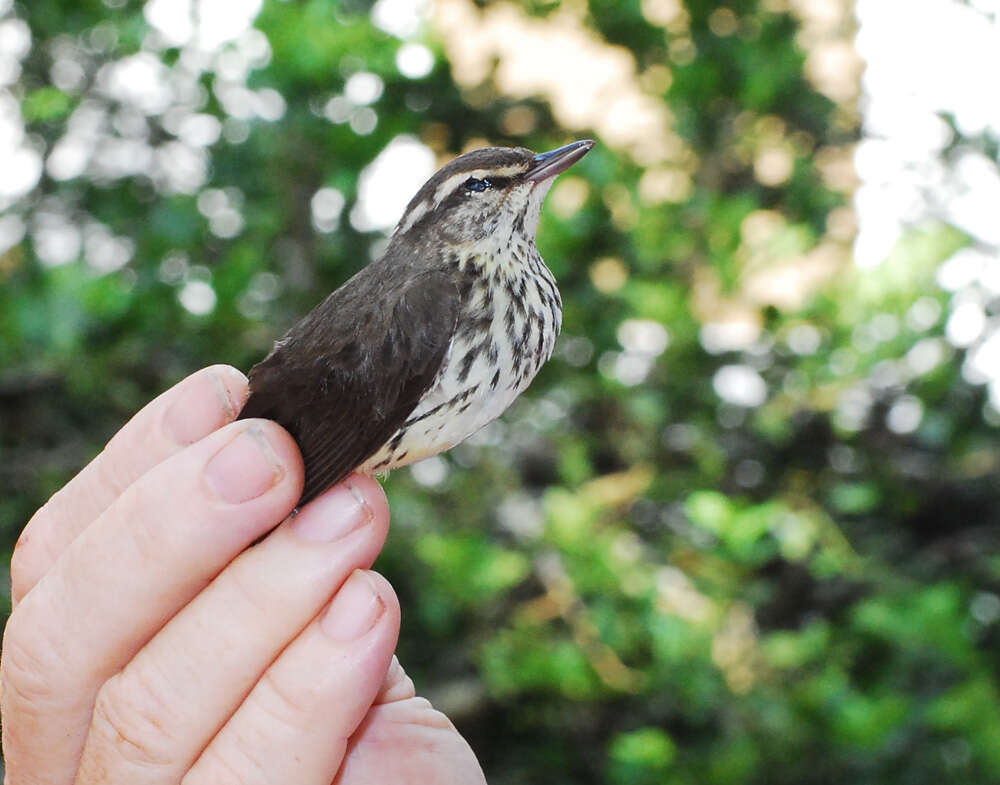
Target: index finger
190, 410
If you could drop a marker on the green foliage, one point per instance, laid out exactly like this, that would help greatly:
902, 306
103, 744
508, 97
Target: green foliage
645, 580
641, 756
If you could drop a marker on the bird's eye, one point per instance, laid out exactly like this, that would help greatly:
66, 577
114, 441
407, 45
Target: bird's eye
472, 184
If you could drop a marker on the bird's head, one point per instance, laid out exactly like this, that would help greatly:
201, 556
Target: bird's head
486, 194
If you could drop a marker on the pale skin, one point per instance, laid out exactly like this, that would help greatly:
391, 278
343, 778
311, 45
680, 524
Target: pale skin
150, 645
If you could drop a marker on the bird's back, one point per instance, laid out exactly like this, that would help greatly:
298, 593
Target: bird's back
346, 377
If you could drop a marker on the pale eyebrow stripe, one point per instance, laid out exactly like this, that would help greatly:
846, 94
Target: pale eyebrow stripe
448, 186
418, 212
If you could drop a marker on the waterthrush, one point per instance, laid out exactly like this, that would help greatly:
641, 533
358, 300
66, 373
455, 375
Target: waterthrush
433, 340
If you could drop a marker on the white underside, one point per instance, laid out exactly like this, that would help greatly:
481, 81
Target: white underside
431, 434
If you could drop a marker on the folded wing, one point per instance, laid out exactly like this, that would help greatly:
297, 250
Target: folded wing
345, 378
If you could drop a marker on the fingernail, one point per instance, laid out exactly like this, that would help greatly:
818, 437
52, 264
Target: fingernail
202, 408
354, 610
245, 468
336, 513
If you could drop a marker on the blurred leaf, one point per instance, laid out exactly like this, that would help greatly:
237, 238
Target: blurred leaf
641, 756
44, 104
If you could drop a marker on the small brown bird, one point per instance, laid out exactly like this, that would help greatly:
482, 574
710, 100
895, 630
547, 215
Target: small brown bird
436, 338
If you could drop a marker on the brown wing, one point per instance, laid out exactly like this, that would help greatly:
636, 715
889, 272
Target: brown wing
345, 378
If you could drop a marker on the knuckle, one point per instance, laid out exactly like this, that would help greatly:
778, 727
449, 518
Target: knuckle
25, 559
431, 717
131, 716
237, 764
397, 685
31, 670
112, 479
34, 548
251, 588
23, 678
420, 712
284, 703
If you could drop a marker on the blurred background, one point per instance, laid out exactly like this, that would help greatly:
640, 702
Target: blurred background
744, 526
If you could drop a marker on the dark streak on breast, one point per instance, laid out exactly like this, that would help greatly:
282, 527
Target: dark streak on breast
467, 363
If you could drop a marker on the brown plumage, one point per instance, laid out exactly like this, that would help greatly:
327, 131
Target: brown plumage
432, 340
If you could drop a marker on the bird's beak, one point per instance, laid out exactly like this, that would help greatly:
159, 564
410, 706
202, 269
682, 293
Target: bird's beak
546, 165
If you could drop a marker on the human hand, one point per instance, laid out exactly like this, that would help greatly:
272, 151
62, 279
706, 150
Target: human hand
148, 644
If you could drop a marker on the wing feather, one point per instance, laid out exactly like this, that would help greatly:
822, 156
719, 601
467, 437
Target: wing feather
348, 376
